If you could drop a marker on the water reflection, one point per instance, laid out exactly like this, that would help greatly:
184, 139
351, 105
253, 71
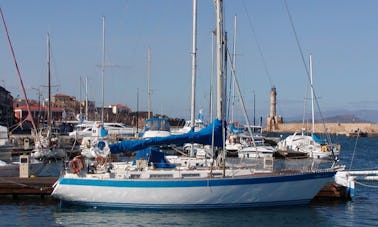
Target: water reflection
220, 217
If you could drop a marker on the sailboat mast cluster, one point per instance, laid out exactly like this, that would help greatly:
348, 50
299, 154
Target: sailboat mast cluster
155, 179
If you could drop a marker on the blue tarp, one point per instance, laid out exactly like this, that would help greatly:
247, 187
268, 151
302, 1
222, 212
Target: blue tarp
203, 136
153, 155
236, 130
317, 139
103, 131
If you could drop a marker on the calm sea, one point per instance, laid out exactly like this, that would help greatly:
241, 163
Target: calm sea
361, 211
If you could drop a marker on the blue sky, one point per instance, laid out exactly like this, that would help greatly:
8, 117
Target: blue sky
342, 36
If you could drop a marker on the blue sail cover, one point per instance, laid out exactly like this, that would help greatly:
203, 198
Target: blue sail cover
317, 139
153, 155
236, 130
203, 136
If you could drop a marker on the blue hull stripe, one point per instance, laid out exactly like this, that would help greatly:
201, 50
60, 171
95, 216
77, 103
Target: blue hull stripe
137, 183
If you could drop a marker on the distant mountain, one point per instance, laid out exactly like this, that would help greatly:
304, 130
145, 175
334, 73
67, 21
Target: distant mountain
369, 115
342, 116
347, 118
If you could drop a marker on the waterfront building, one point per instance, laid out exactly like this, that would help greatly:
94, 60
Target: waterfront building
6, 107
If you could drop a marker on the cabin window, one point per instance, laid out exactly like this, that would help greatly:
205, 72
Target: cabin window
161, 176
190, 175
134, 176
217, 174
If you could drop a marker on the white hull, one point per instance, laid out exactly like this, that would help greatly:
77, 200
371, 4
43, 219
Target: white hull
307, 145
153, 134
113, 129
247, 191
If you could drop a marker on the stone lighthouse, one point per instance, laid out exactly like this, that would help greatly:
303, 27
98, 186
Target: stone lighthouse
273, 120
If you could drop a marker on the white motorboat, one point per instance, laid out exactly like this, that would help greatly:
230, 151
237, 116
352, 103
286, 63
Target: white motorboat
155, 127
241, 144
113, 129
198, 125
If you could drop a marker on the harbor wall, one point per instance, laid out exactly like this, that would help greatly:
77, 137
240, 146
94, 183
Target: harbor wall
335, 128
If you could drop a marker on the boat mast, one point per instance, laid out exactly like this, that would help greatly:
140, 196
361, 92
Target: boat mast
137, 113
194, 64
103, 68
312, 98
234, 65
220, 77
220, 86
148, 82
48, 82
80, 108
86, 98
241, 99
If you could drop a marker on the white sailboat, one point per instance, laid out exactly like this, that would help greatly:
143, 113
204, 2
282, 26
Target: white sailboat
311, 145
47, 144
36, 167
152, 182
246, 141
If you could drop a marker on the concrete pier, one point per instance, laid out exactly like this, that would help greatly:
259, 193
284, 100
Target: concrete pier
36, 186
347, 129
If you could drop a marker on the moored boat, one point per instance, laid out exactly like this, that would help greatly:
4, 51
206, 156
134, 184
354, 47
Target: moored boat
151, 181
190, 189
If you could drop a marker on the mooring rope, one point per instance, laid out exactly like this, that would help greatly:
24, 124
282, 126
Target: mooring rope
366, 185
354, 150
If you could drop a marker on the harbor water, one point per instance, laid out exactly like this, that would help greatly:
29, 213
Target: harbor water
361, 211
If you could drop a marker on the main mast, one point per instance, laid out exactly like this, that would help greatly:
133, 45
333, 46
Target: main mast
194, 64
220, 86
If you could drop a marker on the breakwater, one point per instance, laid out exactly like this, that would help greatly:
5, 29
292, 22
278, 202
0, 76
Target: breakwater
348, 129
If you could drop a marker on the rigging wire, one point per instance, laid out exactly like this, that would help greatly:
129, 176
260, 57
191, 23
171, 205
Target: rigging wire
29, 116
258, 44
305, 65
354, 151
264, 62
296, 39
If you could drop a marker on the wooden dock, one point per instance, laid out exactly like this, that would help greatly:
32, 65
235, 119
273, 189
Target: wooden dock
33, 186
332, 191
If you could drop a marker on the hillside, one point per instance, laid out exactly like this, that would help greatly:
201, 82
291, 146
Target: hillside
359, 116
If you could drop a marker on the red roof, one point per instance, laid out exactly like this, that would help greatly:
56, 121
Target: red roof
119, 105
37, 108
62, 95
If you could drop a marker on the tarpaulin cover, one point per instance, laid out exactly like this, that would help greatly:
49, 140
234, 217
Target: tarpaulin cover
203, 136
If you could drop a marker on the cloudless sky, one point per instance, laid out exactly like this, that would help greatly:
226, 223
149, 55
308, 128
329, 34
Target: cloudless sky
341, 35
